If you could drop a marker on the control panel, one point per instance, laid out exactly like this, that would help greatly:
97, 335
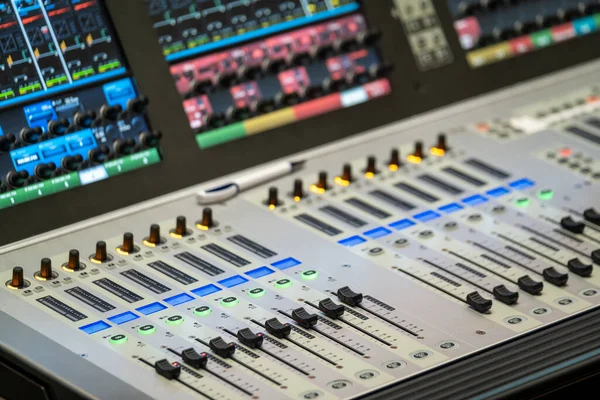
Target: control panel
70, 111
343, 276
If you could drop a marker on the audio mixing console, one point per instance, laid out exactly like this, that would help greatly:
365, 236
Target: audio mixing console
447, 255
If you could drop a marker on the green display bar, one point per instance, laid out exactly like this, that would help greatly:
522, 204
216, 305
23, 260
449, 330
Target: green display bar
84, 73
7, 95
221, 135
56, 81
71, 180
109, 66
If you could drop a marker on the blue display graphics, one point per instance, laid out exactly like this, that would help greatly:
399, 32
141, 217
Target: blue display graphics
190, 27
48, 46
74, 139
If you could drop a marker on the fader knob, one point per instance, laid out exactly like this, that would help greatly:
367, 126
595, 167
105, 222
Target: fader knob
298, 192
193, 358
221, 347
571, 225
18, 280
478, 302
371, 169
128, 245
591, 215
304, 318
277, 329
101, 254
394, 162
249, 338
273, 200
73, 264
180, 227
331, 309
349, 297
45, 269
207, 219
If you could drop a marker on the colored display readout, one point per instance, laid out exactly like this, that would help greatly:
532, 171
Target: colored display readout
54, 45
296, 113
493, 35
186, 29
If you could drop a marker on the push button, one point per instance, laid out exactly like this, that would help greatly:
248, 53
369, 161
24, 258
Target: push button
257, 292
230, 301
202, 311
174, 320
118, 339
146, 330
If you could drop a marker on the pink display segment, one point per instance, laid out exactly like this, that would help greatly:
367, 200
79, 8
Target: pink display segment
253, 54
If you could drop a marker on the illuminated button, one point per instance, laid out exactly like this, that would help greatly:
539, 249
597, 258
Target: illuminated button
146, 330
523, 202
310, 275
565, 152
174, 320
118, 339
258, 292
230, 301
546, 194
203, 311
283, 284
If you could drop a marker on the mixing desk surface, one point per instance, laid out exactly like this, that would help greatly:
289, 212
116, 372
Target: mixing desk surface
451, 254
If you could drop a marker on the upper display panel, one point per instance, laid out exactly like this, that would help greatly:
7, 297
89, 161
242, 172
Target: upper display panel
70, 113
262, 84
494, 30
51, 46
190, 27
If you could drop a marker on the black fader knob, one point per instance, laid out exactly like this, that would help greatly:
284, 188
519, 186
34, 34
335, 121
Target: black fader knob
273, 66
273, 199
73, 263
529, 285
193, 358
167, 370
181, 229
555, 277
46, 273
221, 347
591, 215
154, 237
298, 192
478, 302
371, 169
214, 121
505, 295
287, 99
349, 297
101, 254
207, 220
304, 318
331, 309
18, 279
249, 72
128, 246
277, 329
203, 86
249, 338
236, 114
571, 225
577, 267
394, 163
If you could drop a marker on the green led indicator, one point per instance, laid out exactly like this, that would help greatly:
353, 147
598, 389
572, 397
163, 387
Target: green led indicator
146, 330
203, 311
523, 202
174, 320
230, 301
310, 275
258, 292
546, 194
283, 284
118, 339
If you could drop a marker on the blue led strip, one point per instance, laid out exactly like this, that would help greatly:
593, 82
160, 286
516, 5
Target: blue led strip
57, 89
260, 272
232, 281
206, 290
262, 32
123, 318
178, 299
352, 241
94, 327
286, 263
402, 224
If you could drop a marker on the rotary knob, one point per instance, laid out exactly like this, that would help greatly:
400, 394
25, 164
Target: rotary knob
207, 221
73, 263
18, 280
128, 246
181, 229
46, 273
101, 255
154, 238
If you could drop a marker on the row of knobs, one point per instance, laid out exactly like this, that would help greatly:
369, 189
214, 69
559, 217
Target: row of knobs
98, 155
245, 73
280, 100
101, 254
581, 9
347, 176
80, 120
